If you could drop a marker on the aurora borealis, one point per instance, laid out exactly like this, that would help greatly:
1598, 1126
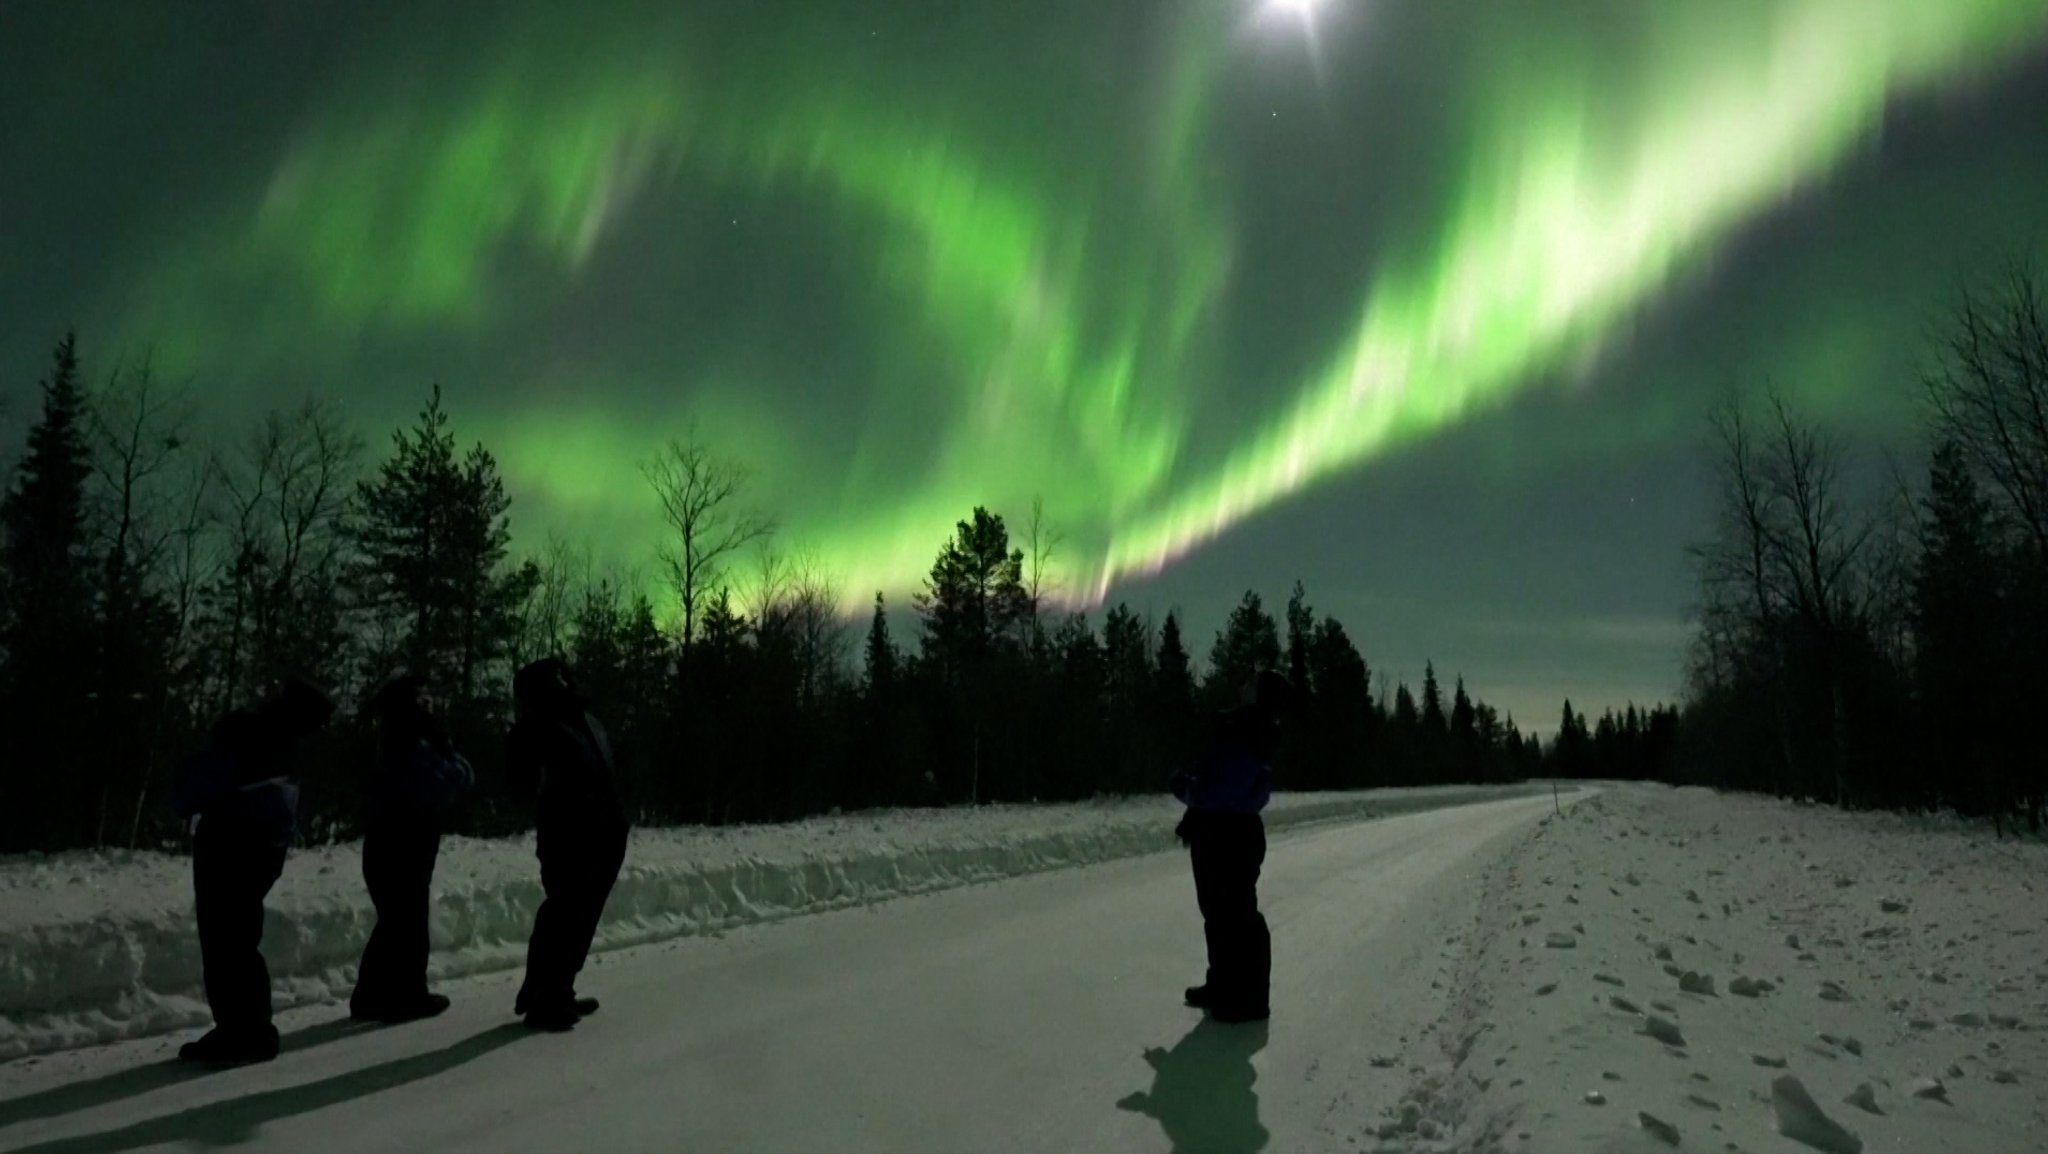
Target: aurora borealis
1396, 299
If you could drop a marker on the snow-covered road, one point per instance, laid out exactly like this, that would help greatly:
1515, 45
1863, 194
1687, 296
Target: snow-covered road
1038, 1014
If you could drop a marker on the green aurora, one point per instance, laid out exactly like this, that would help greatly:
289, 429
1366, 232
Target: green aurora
1012, 251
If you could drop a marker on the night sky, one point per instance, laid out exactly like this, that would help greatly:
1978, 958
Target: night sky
1419, 301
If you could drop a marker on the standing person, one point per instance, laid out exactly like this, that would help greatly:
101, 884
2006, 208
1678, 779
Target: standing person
241, 793
559, 751
418, 776
1224, 793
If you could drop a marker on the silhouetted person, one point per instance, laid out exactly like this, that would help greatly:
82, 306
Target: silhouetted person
558, 751
242, 794
418, 777
1225, 791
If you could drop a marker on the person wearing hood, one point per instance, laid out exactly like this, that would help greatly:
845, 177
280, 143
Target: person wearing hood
241, 795
559, 754
417, 779
1225, 791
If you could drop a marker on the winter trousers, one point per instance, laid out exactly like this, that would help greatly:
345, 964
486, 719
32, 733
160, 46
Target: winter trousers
577, 871
233, 868
1227, 850
398, 869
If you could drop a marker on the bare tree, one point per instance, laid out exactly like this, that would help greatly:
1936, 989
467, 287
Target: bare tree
1736, 563
765, 600
1783, 577
547, 617
699, 493
1821, 540
822, 632
794, 602
282, 498
138, 431
1042, 540
1990, 393
138, 428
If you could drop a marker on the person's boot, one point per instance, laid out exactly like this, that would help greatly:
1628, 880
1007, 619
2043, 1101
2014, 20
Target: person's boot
584, 1006
411, 1009
555, 1017
220, 1048
1199, 996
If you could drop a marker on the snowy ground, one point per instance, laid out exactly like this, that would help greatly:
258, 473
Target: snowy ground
1730, 971
100, 946
1036, 1014
1419, 1005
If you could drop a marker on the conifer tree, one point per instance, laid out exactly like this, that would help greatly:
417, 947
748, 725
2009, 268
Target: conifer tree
432, 532
1959, 655
1301, 623
1434, 727
878, 670
1248, 642
47, 579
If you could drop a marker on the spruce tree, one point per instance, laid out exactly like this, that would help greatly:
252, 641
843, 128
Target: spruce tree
43, 562
1465, 753
47, 578
878, 670
1434, 728
1404, 739
1960, 655
1172, 718
1340, 715
1173, 677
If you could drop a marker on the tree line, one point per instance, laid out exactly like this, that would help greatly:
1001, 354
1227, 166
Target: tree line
1886, 652
149, 582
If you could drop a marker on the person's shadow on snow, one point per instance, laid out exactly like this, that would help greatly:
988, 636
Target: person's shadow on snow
236, 1120
73, 1097
1201, 1093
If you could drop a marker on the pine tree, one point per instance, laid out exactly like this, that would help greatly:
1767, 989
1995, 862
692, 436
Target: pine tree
1127, 672
1082, 698
974, 606
974, 598
1301, 623
432, 532
1248, 642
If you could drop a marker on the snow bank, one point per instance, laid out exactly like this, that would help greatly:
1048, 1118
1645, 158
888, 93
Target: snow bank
1663, 968
101, 946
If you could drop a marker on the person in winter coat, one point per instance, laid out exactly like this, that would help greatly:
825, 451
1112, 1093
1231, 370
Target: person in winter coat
418, 777
241, 795
1225, 792
559, 753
